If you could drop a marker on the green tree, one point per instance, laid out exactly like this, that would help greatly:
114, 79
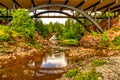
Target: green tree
41, 28
22, 23
73, 30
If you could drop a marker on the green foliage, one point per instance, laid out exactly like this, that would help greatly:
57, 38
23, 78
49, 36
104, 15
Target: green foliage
90, 75
4, 50
50, 27
68, 35
111, 14
116, 29
73, 30
58, 28
77, 75
105, 40
4, 33
98, 62
22, 23
94, 33
71, 73
116, 41
2, 13
69, 42
47, 29
115, 47
41, 28
34, 44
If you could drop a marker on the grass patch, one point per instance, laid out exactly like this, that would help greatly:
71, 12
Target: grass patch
90, 75
69, 42
116, 41
105, 40
71, 73
98, 62
77, 75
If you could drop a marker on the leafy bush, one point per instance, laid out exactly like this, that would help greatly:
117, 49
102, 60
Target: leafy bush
68, 35
90, 75
98, 62
71, 73
4, 33
116, 41
105, 39
22, 23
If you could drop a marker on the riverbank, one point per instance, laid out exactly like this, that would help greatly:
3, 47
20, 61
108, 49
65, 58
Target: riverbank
85, 58
98, 58
21, 48
90, 50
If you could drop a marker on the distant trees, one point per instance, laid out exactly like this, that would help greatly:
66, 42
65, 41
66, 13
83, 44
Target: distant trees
70, 30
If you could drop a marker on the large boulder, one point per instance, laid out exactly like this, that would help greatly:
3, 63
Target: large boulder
89, 41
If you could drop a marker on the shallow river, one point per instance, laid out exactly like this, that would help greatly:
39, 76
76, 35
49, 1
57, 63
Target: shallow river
48, 66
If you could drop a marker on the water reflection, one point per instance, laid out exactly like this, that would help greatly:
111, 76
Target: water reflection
37, 67
56, 60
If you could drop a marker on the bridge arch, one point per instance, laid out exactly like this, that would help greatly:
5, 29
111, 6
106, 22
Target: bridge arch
69, 7
61, 12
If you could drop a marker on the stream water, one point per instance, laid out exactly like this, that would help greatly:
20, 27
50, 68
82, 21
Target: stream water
48, 66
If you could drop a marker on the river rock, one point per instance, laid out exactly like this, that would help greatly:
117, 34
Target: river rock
112, 34
111, 70
88, 41
5, 44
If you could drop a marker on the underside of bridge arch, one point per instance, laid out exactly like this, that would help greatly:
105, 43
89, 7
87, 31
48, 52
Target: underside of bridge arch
65, 13
69, 8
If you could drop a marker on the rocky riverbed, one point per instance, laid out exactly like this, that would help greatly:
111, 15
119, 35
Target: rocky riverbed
109, 71
83, 57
